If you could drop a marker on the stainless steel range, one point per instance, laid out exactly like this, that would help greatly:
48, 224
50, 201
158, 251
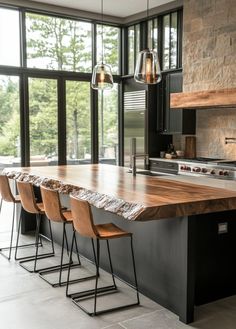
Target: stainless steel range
214, 168
206, 167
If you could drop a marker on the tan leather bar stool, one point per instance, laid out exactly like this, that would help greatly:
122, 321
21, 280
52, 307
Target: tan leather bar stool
7, 196
84, 225
58, 214
30, 205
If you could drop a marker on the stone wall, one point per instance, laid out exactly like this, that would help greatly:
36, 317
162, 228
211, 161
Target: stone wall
209, 62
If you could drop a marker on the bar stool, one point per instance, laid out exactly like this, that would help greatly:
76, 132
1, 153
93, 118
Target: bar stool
84, 225
30, 205
7, 196
58, 214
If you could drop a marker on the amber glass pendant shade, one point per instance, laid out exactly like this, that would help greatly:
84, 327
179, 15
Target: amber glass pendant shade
102, 77
147, 68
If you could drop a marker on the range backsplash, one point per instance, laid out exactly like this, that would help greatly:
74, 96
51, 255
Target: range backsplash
212, 126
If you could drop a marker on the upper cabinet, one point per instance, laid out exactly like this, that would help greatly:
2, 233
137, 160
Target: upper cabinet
172, 121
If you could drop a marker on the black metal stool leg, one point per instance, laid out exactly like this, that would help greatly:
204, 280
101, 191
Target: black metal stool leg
23, 245
67, 246
36, 257
97, 275
76, 297
12, 230
38, 222
62, 252
18, 235
111, 267
77, 250
62, 266
134, 267
69, 267
94, 254
51, 236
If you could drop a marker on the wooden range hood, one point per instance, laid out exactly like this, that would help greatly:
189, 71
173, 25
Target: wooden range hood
225, 98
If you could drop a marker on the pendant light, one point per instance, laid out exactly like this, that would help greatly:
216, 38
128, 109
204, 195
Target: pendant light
102, 77
147, 68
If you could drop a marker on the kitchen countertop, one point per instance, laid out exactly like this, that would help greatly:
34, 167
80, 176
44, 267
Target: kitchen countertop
135, 198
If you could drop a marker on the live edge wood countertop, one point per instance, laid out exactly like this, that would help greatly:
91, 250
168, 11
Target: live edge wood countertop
135, 198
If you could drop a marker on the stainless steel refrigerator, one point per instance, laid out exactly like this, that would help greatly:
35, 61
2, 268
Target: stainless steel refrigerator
135, 109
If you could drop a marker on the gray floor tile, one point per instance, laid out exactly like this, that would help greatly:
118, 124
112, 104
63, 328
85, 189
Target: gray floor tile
28, 302
161, 319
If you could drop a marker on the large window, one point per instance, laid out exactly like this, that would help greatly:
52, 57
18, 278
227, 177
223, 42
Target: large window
108, 125
78, 118
111, 46
50, 99
9, 121
164, 36
9, 37
43, 121
58, 44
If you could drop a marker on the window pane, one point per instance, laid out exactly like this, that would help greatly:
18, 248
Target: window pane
166, 42
173, 54
155, 35
131, 49
58, 44
78, 125
137, 42
9, 122
43, 121
108, 125
111, 36
9, 37
150, 34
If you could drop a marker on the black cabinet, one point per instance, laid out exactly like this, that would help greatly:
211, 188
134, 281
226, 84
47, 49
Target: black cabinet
172, 121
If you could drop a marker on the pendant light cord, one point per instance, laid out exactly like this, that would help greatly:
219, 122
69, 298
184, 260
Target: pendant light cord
147, 9
102, 29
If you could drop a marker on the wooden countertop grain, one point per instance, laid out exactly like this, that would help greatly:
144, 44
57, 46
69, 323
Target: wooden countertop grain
135, 198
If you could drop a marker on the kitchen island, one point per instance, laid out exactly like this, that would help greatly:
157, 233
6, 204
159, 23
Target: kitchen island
176, 228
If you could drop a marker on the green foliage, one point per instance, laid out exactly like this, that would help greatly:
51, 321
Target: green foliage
58, 44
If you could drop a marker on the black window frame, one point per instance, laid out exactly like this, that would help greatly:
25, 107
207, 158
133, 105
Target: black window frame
25, 72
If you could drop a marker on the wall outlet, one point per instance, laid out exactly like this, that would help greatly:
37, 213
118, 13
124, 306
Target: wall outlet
222, 228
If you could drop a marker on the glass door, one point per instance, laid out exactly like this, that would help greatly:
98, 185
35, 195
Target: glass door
43, 121
78, 122
10, 150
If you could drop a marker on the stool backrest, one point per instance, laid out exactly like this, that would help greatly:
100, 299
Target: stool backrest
5, 189
27, 197
83, 218
52, 204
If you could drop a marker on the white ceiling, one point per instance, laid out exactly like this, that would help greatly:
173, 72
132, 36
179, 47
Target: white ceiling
119, 8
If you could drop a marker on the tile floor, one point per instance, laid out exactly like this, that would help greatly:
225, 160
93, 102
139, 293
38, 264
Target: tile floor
28, 302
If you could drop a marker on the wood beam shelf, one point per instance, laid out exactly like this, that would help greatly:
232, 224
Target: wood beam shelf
204, 99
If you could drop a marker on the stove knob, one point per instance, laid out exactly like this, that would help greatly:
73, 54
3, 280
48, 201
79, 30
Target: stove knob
188, 168
221, 172
197, 169
226, 173
204, 170
182, 167
212, 172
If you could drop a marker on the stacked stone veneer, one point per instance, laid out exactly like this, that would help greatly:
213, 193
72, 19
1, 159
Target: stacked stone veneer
209, 62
